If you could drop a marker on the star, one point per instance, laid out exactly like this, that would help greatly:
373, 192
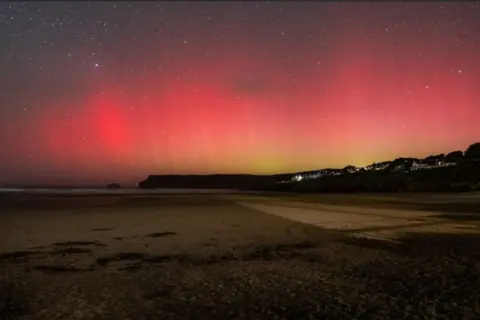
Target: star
125, 70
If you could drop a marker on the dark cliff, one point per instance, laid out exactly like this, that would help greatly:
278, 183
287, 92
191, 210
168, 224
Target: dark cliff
216, 181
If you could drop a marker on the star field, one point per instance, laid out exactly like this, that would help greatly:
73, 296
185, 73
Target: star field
93, 92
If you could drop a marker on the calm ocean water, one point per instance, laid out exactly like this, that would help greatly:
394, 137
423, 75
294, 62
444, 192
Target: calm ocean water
115, 191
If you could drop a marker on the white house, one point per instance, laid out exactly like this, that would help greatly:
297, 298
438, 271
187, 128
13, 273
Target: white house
297, 178
383, 166
315, 175
437, 164
445, 164
352, 170
418, 166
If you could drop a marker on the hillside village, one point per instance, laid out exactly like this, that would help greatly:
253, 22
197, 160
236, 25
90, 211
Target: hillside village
442, 171
398, 165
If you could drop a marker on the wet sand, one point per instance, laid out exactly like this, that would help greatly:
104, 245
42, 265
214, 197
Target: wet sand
236, 257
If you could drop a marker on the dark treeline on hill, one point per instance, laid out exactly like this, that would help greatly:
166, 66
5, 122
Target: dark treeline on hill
453, 172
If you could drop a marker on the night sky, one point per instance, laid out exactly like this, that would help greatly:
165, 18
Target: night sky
99, 92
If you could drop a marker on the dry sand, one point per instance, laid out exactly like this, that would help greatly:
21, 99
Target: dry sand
234, 257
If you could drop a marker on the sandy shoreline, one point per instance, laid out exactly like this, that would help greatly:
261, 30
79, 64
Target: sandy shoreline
205, 256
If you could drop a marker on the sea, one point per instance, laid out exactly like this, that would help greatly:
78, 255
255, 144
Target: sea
99, 191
